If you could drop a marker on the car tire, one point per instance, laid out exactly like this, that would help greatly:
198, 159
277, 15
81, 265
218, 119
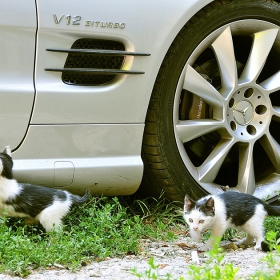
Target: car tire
198, 138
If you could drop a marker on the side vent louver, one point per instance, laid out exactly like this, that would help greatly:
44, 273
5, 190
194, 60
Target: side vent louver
94, 62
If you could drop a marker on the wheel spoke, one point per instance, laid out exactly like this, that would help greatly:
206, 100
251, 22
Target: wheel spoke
272, 84
223, 47
246, 174
272, 149
276, 113
262, 45
211, 166
196, 84
191, 129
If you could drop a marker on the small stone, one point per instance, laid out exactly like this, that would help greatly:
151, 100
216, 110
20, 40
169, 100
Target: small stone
58, 265
232, 246
95, 274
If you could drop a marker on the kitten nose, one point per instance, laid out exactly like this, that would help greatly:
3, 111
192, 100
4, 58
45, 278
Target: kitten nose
195, 228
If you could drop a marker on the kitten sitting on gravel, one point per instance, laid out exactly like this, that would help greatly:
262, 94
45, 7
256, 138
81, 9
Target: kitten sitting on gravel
46, 205
229, 209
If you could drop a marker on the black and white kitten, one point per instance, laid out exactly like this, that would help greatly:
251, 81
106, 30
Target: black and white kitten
46, 205
228, 210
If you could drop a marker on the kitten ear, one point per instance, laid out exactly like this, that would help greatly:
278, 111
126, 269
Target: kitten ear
188, 202
7, 151
210, 204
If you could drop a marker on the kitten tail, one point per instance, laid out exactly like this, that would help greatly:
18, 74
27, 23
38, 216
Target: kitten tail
77, 200
272, 210
265, 246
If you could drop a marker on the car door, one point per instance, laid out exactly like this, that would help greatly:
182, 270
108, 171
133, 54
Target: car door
17, 53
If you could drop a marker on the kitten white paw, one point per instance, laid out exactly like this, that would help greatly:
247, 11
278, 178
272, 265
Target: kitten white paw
244, 241
240, 242
258, 248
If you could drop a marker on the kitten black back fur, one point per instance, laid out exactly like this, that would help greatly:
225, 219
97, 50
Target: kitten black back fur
34, 199
233, 210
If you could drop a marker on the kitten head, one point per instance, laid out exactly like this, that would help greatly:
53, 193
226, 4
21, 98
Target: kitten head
6, 163
199, 214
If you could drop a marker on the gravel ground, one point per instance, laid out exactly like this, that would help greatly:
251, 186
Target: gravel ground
173, 257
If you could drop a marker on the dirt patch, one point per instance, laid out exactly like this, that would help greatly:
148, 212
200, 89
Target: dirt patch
173, 257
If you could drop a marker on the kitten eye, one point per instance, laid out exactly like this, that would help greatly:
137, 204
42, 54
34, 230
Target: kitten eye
190, 220
201, 221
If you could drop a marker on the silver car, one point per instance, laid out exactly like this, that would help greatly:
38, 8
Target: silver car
180, 96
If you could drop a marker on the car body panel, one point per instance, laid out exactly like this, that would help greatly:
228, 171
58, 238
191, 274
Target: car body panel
126, 99
102, 158
90, 137
18, 25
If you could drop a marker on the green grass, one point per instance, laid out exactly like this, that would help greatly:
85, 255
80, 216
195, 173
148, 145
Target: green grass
103, 227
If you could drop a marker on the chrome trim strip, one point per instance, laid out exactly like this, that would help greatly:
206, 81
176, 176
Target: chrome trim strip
95, 71
99, 52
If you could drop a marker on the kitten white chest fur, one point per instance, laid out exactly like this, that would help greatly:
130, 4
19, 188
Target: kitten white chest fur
8, 190
198, 221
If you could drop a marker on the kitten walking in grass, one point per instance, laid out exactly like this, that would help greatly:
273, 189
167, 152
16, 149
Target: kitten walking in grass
46, 205
228, 210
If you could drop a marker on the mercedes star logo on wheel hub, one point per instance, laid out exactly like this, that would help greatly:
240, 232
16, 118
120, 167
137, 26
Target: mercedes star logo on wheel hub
243, 112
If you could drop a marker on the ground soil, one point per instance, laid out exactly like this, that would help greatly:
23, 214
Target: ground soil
172, 257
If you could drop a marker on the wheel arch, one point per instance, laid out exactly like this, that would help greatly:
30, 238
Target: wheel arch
187, 13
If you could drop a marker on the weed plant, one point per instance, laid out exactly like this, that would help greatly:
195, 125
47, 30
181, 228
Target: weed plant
214, 269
